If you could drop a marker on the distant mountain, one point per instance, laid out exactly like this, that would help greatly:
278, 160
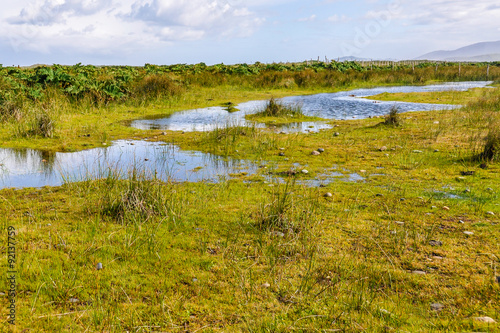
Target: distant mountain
486, 51
351, 58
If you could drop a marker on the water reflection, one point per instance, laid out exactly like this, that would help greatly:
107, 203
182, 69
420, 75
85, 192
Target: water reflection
32, 168
341, 105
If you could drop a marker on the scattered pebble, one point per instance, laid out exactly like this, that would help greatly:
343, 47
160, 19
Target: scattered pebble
99, 266
321, 150
402, 199
437, 306
73, 300
305, 172
281, 154
328, 195
195, 280
435, 243
282, 148
467, 190
379, 195
362, 171
446, 208
485, 320
436, 150
489, 189
399, 222
315, 153
266, 285
433, 207
417, 151
490, 213
461, 222
437, 258
163, 133
336, 134
419, 272
468, 233
383, 148
436, 122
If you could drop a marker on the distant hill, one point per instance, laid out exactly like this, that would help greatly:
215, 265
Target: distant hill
485, 51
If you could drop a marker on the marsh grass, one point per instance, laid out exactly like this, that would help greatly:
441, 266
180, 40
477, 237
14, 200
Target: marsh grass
275, 108
393, 118
491, 150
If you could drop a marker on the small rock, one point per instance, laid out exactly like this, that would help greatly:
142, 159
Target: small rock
402, 199
282, 132
417, 151
461, 222
433, 207
2, 293
379, 195
436, 122
315, 153
435, 243
489, 189
468, 233
282, 149
490, 213
321, 150
336, 134
467, 190
266, 285
305, 172
99, 266
467, 173
281, 154
437, 306
146, 159
163, 133
384, 311
446, 208
328, 195
383, 148
437, 258
73, 300
485, 320
195, 280
399, 222
362, 171
436, 150
419, 272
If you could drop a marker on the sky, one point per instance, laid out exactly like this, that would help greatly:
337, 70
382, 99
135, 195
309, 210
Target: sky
136, 32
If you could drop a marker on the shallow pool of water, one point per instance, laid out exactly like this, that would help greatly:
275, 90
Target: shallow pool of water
34, 168
340, 105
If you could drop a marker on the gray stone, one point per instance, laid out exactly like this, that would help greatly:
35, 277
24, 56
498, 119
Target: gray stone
328, 195
379, 195
99, 266
73, 300
435, 243
468, 233
490, 213
461, 222
163, 133
436, 150
305, 172
417, 151
321, 150
282, 149
419, 272
485, 320
399, 222
437, 306
337, 134
383, 148
281, 154
266, 285
315, 153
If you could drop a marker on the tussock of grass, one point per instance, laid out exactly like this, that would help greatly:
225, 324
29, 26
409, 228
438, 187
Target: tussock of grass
393, 118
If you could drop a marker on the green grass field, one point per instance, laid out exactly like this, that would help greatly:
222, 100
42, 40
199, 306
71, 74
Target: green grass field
413, 247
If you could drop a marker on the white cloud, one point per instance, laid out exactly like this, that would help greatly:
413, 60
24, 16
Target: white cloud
83, 25
308, 19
